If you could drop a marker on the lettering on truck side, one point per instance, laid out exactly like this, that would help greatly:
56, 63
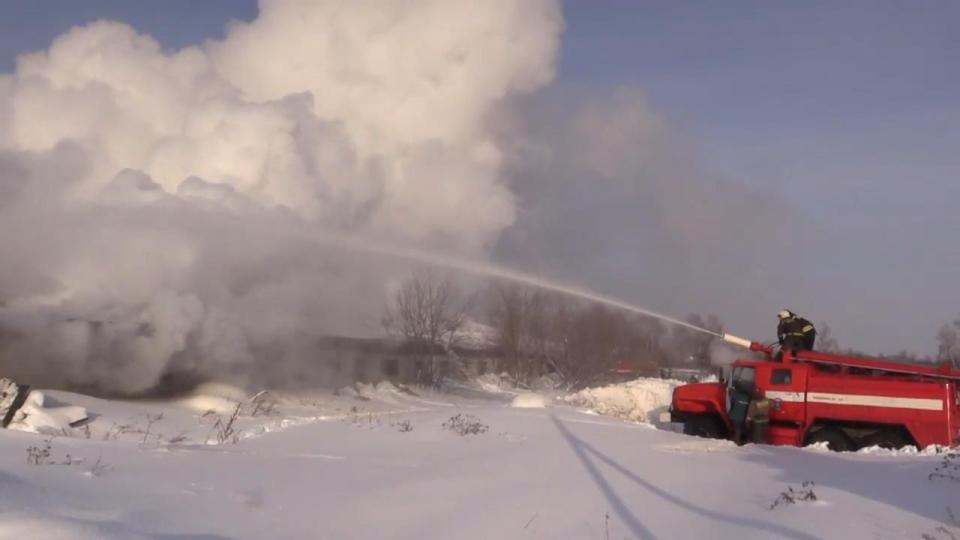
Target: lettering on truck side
921, 404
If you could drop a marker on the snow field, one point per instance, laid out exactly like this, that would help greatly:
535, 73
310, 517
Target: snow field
377, 462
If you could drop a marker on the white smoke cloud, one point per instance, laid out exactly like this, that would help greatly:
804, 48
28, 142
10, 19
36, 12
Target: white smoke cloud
723, 355
156, 205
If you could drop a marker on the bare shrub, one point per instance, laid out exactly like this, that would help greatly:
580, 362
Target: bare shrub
403, 426
182, 437
116, 430
37, 455
225, 428
43, 455
950, 531
948, 469
99, 468
368, 420
263, 404
465, 424
151, 420
792, 496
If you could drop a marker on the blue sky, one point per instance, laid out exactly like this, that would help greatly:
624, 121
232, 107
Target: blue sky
849, 111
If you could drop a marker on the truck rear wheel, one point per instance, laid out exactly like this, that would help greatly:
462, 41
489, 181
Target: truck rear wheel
702, 425
836, 439
888, 438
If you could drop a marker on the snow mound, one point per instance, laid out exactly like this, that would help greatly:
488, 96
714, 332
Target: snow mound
529, 401
547, 383
217, 397
640, 400
493, 383
932, 450
698, 446
386, 387
38, 415
47, 527
475, 335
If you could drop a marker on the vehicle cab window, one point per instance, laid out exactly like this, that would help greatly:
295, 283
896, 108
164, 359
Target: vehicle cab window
781, 376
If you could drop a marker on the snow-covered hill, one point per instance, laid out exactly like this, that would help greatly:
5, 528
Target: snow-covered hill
380, 462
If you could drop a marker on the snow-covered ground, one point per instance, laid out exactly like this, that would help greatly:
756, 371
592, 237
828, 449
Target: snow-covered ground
380, 462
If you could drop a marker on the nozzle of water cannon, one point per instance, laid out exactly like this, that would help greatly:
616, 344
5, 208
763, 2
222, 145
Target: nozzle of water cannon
754, 346
738, 341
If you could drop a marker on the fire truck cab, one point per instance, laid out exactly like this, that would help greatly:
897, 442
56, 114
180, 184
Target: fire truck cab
845, 402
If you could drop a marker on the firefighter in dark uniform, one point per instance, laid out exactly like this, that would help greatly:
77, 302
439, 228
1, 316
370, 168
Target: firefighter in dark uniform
795, 332
739, 405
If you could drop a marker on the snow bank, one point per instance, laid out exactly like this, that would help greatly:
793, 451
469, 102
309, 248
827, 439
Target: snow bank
46, 527
38, 415
932, 450
494, 383
640, 400
529, 401
475, 335
217, 397
547, 383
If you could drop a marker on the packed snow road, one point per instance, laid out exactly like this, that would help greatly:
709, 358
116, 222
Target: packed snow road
452, 467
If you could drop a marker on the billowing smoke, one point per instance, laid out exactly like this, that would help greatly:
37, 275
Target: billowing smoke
612, 195
157, 207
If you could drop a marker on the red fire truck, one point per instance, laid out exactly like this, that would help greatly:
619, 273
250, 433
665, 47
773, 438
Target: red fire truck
846, 402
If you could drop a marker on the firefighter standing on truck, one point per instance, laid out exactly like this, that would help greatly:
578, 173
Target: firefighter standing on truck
795, 332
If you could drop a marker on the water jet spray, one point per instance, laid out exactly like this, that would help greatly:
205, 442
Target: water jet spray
484, 269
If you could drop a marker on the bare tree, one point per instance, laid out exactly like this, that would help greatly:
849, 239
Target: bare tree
826, 342
423, 310
581, 342
521, 316
426, 313
594, 340
645, 343
948, 341
908, 357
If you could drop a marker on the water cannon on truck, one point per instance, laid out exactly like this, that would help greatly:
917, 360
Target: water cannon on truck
845, 402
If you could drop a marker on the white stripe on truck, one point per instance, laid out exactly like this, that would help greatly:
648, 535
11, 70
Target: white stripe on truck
791, 397
877, 401
855, 399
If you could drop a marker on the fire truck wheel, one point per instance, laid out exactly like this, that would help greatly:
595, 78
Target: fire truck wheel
702, 425
836, 439
888, 438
